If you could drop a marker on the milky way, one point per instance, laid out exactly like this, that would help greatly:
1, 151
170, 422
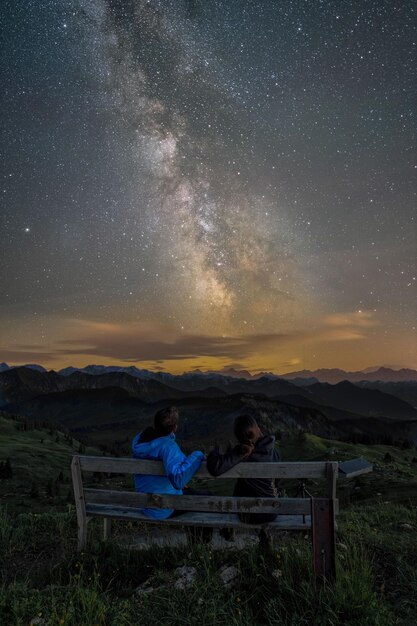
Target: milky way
225, 180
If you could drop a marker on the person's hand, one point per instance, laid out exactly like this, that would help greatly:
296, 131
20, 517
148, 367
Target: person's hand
247, 449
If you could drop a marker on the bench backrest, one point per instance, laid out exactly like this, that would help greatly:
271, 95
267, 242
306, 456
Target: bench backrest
317, 470
298, 469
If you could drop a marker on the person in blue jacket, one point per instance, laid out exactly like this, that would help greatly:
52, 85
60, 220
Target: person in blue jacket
158, 443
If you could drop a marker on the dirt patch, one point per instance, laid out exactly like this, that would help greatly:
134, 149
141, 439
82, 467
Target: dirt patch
32, 565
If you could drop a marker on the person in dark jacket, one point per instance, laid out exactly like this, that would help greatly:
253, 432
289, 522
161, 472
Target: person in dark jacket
158, 443
253, 447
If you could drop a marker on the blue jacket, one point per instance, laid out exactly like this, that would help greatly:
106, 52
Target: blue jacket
178, 467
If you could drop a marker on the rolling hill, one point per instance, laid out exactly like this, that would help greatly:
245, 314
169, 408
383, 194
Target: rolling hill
107, 409
40, 459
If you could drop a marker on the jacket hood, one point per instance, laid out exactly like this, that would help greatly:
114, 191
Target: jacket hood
150, 449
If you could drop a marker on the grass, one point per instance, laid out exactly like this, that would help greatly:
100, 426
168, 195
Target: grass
42, 575
394, 475
308, 447
37, 456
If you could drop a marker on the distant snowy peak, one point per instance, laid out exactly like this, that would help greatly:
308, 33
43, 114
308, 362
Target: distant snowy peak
35, 366
97, 370
234, 373
301, 378
67, 371
231, 372
32, 366
334, 376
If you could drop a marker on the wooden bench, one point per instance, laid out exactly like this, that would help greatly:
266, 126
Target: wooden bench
301, 513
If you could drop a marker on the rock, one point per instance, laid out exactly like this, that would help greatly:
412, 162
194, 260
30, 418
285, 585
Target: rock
186, 578
406, 527
228, 574
144, 589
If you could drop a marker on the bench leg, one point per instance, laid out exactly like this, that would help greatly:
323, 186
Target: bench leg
323, 536
82, 519
82, 533
265, 540
107, 528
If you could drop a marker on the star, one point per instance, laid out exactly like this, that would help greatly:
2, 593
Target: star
220, 172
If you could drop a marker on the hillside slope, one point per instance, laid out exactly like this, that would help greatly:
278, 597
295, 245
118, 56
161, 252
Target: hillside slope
394, 475
45, 580
37, 457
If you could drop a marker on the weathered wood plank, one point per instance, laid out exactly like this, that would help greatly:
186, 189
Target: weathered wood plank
323, 537
231, 504
312, 469
107, 528
331, 472
77, 484
212, 520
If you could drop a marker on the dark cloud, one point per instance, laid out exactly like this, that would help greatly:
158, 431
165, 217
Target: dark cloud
131, 347
27, 356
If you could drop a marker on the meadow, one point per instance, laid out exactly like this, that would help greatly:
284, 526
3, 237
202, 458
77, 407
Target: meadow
44, 580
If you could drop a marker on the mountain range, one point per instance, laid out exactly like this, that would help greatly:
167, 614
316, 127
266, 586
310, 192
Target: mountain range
107, 407
302, 377
333, 376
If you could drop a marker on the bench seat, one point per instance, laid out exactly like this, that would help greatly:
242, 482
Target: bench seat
210, 520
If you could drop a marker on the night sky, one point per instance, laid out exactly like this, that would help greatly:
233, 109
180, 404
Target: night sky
208, 183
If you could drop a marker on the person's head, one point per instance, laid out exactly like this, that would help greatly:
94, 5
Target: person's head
166, 421
247, 430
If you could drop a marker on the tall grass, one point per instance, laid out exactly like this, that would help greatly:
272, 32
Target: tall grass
274, 588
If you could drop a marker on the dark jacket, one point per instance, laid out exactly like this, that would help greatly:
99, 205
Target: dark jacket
264, 452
